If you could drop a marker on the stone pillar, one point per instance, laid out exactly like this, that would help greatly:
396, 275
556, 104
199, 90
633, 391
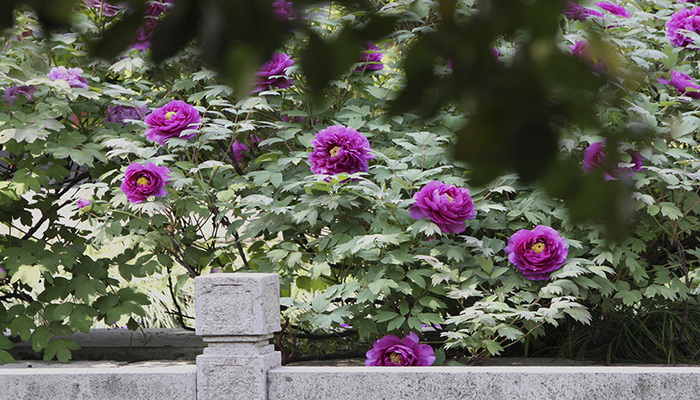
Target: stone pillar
236, 316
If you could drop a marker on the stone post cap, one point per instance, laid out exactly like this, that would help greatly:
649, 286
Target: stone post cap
237, 304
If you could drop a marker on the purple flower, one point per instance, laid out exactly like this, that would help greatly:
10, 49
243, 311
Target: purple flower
142, 38
82, 203
595, 157
613, 9
447, 206
12, 92
171, 120
339, 149
273, 73
104, 7
371, 59
686, 19
70, 75
119, 114
156, 8
391, 351
240, 149
682, 82
582, 50
143, 181
577, 12
538, 252
282, 10
294, 119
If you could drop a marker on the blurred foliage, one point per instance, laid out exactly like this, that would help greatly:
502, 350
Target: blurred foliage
517, 109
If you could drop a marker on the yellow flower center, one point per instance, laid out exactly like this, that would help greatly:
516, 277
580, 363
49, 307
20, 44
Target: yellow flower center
143, 181
450, 198
537, 247
334, 151
395, 358
170, 114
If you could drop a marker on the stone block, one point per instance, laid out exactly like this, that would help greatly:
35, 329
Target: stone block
98, 381
237, 304
234, 378
484, 383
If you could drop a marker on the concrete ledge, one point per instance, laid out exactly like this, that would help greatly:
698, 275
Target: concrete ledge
98, 381
487, 383
125, 345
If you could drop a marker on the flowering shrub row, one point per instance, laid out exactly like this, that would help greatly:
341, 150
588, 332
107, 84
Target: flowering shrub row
136, 170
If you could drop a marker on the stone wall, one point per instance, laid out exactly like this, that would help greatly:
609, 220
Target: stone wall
237, 315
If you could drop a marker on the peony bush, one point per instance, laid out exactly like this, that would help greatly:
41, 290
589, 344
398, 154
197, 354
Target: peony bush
121, 169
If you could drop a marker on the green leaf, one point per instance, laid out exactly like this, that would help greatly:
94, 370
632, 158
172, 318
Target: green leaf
509, 332
670, 210
61, 349
22, 326
40, 338
6, 357
382, 285
28, 274
430, 318
5, 342
395, 323
62, 311
580, 314
384, 316
81, 321
629, 297
320, 303
493, 347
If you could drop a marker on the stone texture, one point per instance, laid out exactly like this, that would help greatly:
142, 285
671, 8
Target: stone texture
237, 304
98, 381
234, 378
484, 383
125, 345
236, 316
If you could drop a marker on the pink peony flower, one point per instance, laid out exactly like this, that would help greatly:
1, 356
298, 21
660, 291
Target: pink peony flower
447, 206
274, 73
686, 19
143, 181
70, 75
595, 157
682, 82
156, 8
538, 252
82, 203
142, 38
171, 120
613, 9
241, 150
12, 92
339, 149
582, 50
577, 12
371, 59
107, 9
119, 114
283, 10
394, 352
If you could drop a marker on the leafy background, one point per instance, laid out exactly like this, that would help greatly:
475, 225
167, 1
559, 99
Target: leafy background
511, 129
